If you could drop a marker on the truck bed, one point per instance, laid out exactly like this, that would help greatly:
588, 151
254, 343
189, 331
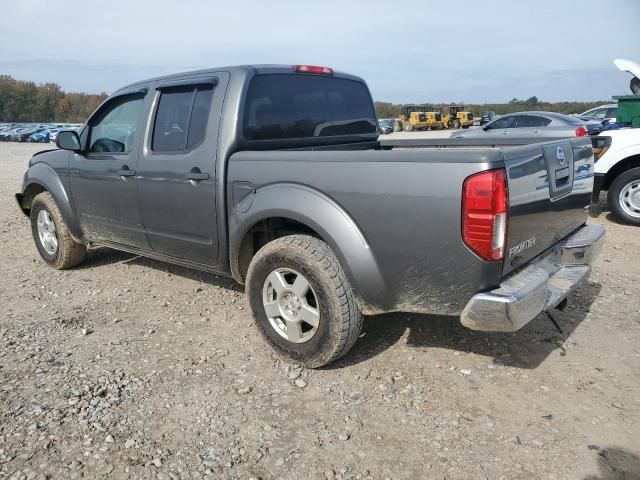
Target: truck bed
404, 199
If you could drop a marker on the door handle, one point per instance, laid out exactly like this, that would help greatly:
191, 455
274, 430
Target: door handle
197, 176
125, 172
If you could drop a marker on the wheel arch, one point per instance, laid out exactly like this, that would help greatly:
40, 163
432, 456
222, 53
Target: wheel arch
40, 178
283, 209
621, 166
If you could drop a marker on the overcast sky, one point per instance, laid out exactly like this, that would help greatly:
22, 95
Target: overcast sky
408, 51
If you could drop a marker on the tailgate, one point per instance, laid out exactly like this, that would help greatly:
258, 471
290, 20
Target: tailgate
550, 188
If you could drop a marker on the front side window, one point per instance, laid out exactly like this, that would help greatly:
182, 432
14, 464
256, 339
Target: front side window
298, 106
504, 122
181, 118
113, 130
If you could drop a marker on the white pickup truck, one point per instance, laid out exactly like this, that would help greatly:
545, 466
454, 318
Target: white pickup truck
617, 169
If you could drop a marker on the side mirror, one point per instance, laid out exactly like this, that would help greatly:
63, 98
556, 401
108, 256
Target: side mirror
486, 127
68, 140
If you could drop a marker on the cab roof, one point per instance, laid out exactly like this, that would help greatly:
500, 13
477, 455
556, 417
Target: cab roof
259, 69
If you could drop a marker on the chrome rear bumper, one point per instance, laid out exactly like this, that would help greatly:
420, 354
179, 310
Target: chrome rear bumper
539, 287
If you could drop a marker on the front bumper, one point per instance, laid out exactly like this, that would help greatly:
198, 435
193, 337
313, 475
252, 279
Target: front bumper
539, 287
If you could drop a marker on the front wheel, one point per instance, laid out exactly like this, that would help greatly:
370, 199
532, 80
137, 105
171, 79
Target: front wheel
51, 234
624, 196
301, 300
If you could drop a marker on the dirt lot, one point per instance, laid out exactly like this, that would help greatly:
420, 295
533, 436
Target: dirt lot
127, 367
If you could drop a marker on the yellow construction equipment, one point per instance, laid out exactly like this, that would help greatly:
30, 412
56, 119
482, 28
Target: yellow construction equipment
413, 118
434, 117
457, 118
420, 117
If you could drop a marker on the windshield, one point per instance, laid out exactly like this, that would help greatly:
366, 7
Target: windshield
596, 113
287, 106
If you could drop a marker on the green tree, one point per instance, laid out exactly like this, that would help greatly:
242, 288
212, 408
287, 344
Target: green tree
23, 101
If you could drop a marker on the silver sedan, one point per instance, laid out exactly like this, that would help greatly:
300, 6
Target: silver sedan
528, 124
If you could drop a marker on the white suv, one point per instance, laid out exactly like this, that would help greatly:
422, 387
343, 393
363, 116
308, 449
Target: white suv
617, 169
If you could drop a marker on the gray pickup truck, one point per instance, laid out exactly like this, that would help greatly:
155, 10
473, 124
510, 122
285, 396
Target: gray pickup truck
275, 175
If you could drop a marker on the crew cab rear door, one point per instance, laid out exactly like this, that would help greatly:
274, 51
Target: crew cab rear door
177, 172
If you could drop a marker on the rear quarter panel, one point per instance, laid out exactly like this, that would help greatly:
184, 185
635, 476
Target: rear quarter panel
405, 205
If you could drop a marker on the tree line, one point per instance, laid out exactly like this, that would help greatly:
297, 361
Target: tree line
24, 101
390, 110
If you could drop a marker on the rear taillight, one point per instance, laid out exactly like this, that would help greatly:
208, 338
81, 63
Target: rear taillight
485, 203
582, 131
313, 69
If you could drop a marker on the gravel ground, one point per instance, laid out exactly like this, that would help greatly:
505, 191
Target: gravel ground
131, 368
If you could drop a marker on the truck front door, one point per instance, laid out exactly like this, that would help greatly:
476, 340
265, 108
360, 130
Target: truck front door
177, 172
102, 177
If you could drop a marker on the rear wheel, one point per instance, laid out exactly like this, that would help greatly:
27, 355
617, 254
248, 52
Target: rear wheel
456, 124
301, 300
52, 236
624, 196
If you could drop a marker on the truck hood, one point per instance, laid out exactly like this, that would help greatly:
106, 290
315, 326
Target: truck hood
627, 66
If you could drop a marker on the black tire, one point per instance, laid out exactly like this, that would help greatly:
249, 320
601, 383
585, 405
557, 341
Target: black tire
456, 124
69, 253
340, 320
631, 176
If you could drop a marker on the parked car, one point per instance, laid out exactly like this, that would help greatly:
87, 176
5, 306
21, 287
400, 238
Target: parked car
529, 124
275, 176
23, 135
386, 125
53, 133
603, 113
617, 171
42, 136
8, 134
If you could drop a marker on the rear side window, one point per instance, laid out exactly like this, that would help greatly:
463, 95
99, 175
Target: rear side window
199, 117
529, 121
295, 106
181, 118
